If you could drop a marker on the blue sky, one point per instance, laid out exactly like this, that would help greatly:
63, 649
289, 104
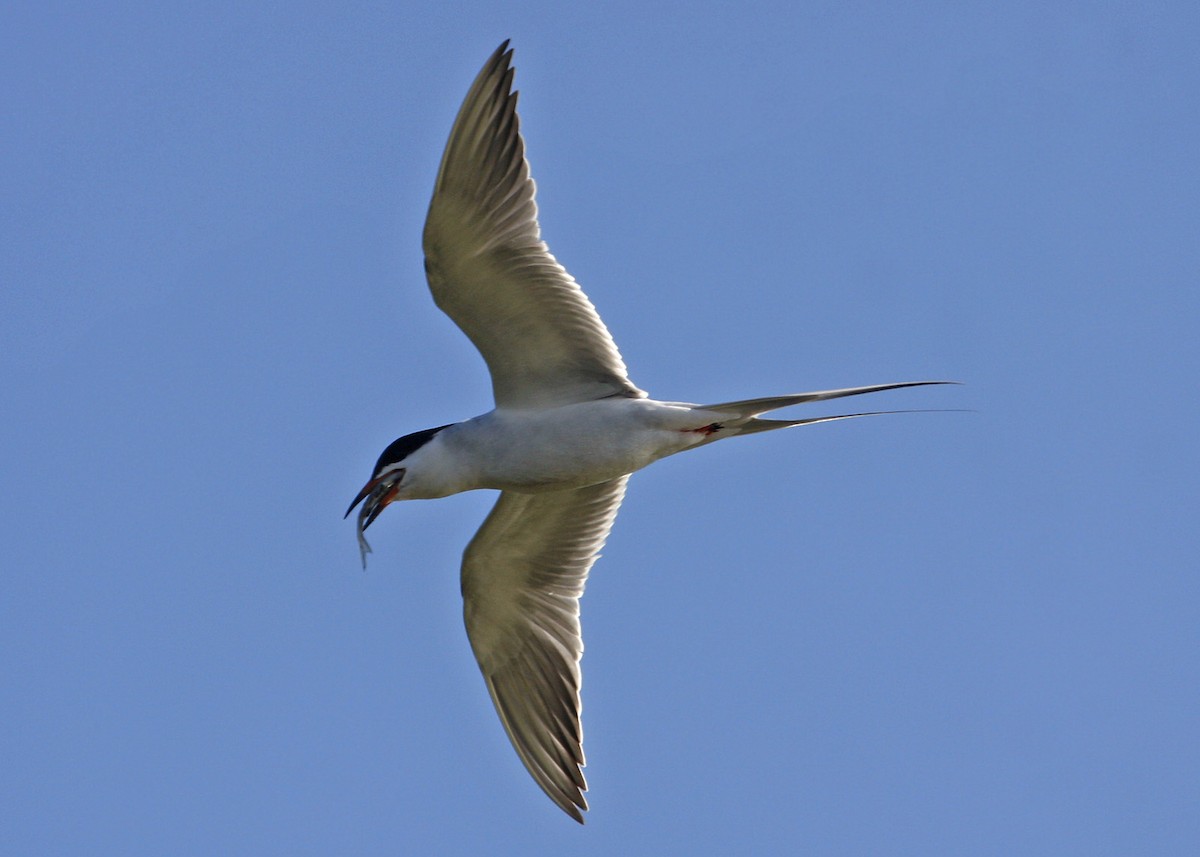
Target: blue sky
928, 634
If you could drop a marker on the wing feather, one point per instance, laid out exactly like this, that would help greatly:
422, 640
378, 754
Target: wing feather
523, 575
489, 270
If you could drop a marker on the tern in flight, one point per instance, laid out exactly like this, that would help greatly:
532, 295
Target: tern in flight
568, 428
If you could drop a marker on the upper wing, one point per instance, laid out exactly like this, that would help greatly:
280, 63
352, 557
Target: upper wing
491, 273
522, 577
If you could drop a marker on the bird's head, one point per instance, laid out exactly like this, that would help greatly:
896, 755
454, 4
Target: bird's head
388, 482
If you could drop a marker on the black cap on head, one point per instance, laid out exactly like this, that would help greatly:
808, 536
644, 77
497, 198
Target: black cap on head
402, 447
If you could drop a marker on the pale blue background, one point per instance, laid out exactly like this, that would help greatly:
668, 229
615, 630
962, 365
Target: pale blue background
929, 634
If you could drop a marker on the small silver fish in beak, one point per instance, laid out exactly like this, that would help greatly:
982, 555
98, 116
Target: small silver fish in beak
377, 493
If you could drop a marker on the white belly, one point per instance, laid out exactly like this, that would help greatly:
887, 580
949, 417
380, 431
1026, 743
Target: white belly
571, 446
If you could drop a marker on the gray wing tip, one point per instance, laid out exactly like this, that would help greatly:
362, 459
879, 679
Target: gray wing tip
560, 779
500, 60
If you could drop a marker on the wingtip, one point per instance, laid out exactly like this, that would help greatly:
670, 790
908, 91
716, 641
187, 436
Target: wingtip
503, 54
573, 805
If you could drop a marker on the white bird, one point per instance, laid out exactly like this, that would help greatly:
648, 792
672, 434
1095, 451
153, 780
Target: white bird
567, 430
